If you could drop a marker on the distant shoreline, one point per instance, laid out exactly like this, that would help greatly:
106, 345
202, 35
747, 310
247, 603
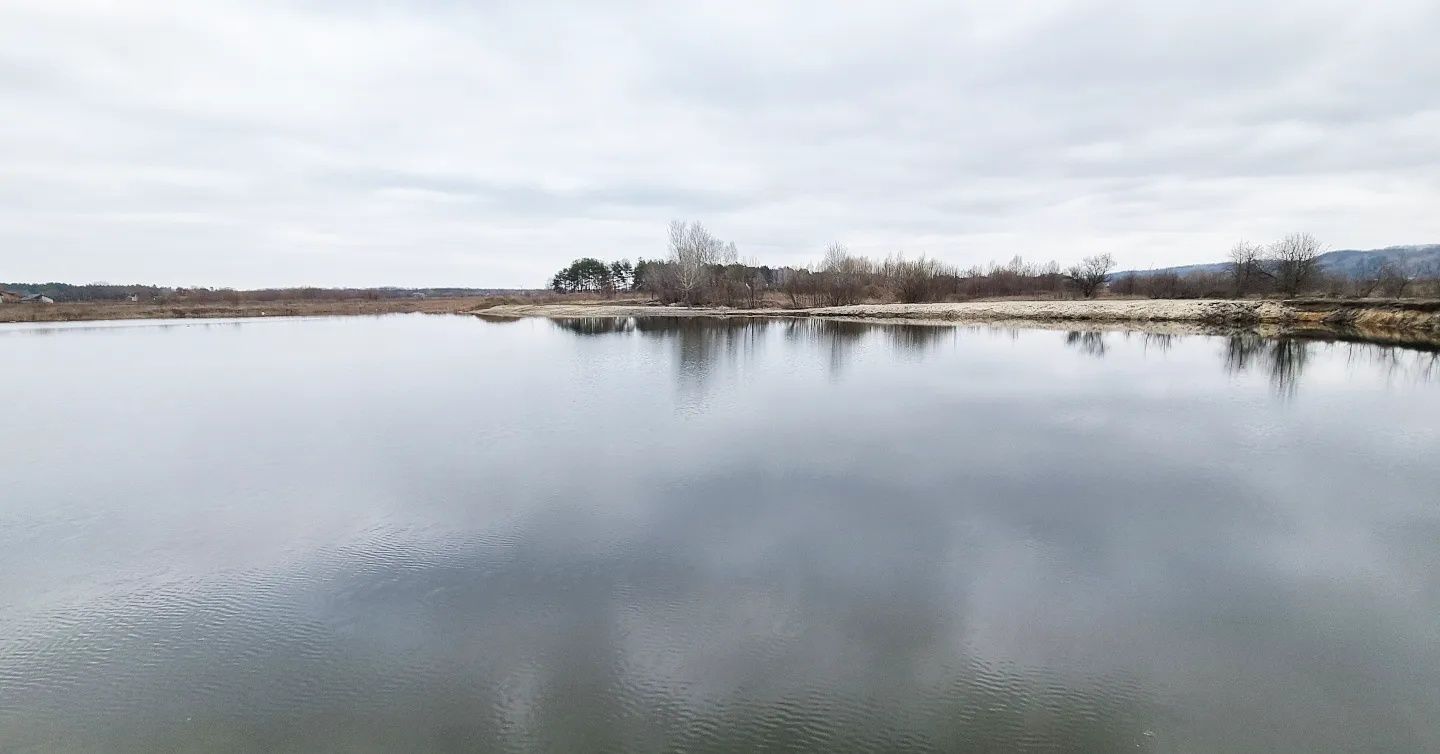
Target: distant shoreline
120, 310
1418, 319
1418, 316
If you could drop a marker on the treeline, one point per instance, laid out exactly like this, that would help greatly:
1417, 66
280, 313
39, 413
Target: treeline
89, 292
702, 269
843, 278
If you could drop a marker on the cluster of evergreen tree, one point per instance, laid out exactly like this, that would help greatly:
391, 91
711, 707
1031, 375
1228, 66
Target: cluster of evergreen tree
591, 274
89, 292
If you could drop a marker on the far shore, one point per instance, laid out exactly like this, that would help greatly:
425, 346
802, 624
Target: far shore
1419, 318
82, 311
1409, 319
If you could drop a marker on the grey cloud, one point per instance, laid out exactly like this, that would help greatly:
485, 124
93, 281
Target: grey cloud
450, 143
538, 201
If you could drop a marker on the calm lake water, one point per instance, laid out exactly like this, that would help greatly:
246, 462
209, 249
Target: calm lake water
419, 533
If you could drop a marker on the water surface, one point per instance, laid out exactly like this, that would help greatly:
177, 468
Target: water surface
437, 533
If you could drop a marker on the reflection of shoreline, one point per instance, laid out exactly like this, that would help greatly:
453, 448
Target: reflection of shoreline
1368, 336
1282, 358
1416, 339
1283, 354
1359, 335
57, 327
703, 343
839, 332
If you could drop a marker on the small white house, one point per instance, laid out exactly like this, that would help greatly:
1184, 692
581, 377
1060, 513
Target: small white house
37, 298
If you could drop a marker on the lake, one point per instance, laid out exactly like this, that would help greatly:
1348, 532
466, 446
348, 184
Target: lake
419, 532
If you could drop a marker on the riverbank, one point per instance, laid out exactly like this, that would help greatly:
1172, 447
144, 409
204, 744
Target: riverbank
87, 311
1418, 317
1405, 317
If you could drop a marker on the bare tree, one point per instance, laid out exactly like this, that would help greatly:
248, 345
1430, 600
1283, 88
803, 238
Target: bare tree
1090, 274
1393, 280
1430, 275
1295, 259
798, 284
843, 275
1368, 279
1165, 284
686, 254
755, 286
696, 253
1245, 266
917, 280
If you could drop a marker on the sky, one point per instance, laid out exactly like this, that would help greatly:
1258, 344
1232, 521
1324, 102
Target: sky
437, 142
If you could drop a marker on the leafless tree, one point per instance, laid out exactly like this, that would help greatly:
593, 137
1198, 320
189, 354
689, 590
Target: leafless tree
1368, 280
1090, 274
1165, 284
799, 285
918, 280
843, 275
1393, 280
739, 283
1126, 285
1429, 274
1245, 266
755, 286
695, 252
1294, 259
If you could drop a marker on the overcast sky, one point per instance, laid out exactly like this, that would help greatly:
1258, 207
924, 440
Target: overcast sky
438, 142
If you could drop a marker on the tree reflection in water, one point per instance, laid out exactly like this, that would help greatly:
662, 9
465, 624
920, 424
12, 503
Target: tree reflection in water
1091, 343
703, 343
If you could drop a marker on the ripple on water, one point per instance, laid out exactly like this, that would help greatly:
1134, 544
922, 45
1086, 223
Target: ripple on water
471, 634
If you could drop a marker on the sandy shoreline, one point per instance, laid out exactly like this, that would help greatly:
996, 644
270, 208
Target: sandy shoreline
1421, 318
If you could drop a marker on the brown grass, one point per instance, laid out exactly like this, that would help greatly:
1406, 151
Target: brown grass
88, 311
69, 312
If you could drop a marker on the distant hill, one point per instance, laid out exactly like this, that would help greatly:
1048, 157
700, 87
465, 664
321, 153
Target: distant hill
1347, 263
